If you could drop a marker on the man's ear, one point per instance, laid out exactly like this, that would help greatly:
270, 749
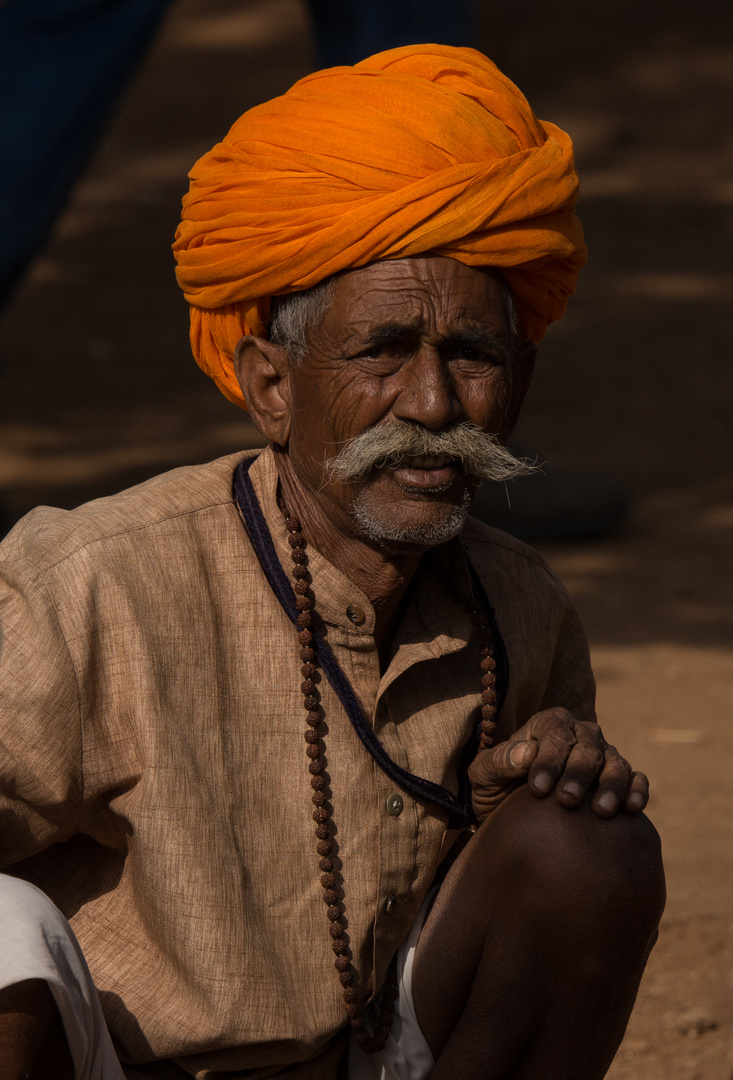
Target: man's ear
521, 378
263, 373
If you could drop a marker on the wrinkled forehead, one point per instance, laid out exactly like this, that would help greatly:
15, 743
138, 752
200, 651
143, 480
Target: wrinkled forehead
425, 292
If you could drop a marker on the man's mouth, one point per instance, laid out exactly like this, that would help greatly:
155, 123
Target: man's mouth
427, 472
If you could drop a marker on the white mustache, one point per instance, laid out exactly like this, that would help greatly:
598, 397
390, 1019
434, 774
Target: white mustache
391, 445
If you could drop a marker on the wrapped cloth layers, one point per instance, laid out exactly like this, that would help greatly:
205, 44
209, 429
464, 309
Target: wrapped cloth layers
420, 149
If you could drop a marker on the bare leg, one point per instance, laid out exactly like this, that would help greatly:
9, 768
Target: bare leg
529, 963
33, 1045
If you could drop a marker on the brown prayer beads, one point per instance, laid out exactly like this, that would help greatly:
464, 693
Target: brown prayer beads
304, 603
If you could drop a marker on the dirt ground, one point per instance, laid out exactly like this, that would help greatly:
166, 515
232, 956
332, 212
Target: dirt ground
98, 391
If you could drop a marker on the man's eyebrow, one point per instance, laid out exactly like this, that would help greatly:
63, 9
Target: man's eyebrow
481, 337
478, 336
391, 331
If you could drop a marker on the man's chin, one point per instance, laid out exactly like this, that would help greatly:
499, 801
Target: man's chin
388, 527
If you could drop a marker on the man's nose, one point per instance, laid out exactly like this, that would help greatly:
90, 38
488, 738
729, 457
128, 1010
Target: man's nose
427, 395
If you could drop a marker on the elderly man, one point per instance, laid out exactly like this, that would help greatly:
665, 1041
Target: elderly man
254, 711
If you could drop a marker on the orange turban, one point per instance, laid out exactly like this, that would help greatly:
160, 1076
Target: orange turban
427, 148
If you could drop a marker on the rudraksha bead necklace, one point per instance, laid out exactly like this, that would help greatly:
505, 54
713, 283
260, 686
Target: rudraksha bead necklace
330, 879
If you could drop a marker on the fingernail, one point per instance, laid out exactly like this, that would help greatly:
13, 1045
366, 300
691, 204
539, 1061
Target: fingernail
517, 754
543, 782
573, 789
608, 802
636, 800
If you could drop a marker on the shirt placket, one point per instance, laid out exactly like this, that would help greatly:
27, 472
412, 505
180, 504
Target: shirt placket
400, 820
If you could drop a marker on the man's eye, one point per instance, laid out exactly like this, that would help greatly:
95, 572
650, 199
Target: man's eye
474, 355
393, 350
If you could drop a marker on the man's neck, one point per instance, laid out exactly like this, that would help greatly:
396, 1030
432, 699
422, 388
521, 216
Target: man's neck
384, 577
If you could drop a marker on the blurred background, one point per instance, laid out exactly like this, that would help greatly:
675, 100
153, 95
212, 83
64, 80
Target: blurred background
98, 389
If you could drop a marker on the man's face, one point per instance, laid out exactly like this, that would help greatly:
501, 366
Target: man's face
423, 340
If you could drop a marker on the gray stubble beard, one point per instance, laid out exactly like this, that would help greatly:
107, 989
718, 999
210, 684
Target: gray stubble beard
378, 527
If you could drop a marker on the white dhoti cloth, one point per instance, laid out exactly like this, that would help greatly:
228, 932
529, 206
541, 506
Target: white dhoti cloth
36, 942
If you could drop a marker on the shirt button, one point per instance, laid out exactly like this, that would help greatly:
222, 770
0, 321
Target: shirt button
395, 804
389, 904
356, 614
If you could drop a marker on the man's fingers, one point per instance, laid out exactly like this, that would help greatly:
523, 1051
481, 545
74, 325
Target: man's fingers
585, 762
496, 772
638, 794
522, 754
554, 747
507, 761
555, 752
614, 785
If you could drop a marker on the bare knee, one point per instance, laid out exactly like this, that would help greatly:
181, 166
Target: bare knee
561, 877
575, 869
545, 909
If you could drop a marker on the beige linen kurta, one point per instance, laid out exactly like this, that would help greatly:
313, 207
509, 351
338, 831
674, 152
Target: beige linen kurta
153, 774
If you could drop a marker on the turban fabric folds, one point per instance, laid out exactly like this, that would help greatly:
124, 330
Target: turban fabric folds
422, 149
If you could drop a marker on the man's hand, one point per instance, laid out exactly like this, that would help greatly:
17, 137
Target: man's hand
553, 751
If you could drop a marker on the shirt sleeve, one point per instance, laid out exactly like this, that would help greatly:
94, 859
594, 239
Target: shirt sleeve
40, 735
571, 683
